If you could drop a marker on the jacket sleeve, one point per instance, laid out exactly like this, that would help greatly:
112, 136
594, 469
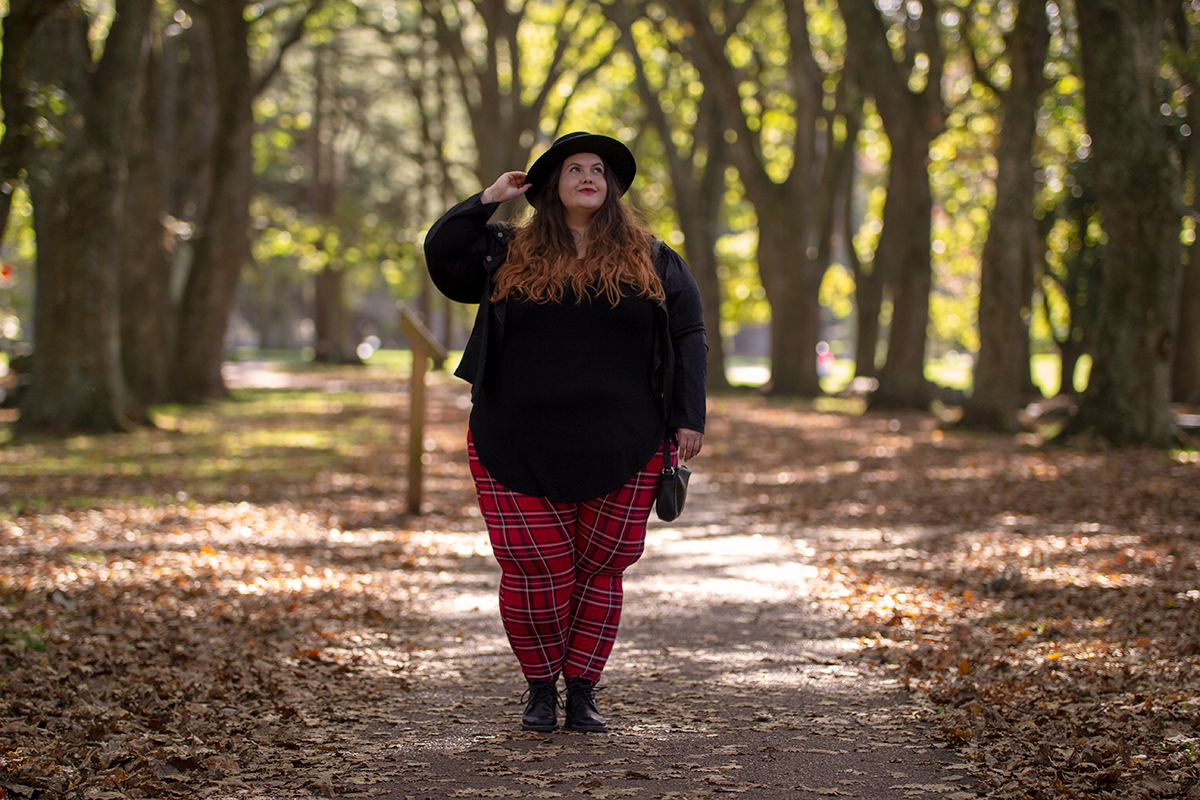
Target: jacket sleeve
686, 322
456, 249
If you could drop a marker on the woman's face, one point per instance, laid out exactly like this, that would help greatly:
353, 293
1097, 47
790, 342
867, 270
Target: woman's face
582, 186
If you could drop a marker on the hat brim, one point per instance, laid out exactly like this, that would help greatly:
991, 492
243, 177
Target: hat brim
615, 154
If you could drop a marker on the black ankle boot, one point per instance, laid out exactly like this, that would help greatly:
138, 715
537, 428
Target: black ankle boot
582, 714
541, 710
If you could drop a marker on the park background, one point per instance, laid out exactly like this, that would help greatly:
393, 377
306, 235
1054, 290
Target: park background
927, 199
910, 220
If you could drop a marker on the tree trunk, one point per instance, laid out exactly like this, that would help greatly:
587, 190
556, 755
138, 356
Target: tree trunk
868, 289
146, 312
789, 212
698, 221
77, 191
701, 249
274, 300
1127, 399
334, 344
221, 244
699, 204
1002, 366
698, 181
868, 303
903, 253
792, 280
912, 119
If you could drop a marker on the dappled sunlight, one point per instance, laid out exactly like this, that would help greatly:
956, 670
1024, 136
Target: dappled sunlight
1013, 588
239, 580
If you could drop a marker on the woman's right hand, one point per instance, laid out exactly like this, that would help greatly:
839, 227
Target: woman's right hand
508, 186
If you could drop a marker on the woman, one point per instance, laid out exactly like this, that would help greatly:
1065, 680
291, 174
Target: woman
587, 355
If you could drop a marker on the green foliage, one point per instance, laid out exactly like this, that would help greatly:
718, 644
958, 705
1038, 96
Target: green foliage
363, 136
837, 291
340, 176
1067, 294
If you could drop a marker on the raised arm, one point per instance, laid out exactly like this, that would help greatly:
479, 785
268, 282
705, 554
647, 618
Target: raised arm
508, 186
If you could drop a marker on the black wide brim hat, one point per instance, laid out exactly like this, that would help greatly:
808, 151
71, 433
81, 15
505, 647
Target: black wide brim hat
615, 154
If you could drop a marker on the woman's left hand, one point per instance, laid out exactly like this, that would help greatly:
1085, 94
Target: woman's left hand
690, 443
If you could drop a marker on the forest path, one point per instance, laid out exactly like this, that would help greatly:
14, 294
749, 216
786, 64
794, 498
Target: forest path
723, 681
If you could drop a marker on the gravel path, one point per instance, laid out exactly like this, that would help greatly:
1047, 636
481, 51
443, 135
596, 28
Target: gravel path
724, 681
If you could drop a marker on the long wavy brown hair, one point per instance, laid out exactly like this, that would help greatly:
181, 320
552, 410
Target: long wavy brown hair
542, 259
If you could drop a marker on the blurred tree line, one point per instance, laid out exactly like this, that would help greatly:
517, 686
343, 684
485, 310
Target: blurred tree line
984, 176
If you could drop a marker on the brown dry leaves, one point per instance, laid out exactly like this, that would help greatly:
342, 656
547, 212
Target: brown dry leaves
157, 639
186, 611
148, 652
1044, 601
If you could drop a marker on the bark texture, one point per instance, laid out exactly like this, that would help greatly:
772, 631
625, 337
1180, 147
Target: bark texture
147, 318
912, 119
1002, 367
77, 189
1138, 185
790, 211
221, 245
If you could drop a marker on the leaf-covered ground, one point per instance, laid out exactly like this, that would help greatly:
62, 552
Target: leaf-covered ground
178, 606
1044, 601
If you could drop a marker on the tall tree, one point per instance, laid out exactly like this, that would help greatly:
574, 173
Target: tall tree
1002, 364
334, 342
907, 86
77, 187
694, 147
1138, 185
507, 85
791, 197
147, 318
868, 281
221, 245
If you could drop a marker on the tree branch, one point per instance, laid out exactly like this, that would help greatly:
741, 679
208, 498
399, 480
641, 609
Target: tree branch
977, 69
19, 26
294, 36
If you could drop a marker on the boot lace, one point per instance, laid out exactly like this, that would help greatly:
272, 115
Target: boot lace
538, 692
581, 691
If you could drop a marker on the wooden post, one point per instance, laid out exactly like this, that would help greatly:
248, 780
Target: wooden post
424, 346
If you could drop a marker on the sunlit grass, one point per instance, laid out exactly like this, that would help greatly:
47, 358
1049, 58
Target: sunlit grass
953, 372
260, 443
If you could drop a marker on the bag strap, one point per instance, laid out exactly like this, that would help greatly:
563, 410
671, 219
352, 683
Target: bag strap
667, 469
658, 251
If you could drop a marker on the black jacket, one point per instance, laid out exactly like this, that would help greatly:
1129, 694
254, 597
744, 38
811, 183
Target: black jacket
463, 251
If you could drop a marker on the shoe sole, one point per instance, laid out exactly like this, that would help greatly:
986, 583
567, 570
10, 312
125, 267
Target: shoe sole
586, 729
539, 728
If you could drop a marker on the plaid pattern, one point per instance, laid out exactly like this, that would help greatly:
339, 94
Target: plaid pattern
561, 566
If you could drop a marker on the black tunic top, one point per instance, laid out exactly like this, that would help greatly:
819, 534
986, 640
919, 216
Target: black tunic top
568, 413
570, 401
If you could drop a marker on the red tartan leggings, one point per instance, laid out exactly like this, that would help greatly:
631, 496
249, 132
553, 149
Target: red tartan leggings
561, 566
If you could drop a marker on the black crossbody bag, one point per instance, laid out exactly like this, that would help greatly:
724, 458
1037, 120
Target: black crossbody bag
672, 487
